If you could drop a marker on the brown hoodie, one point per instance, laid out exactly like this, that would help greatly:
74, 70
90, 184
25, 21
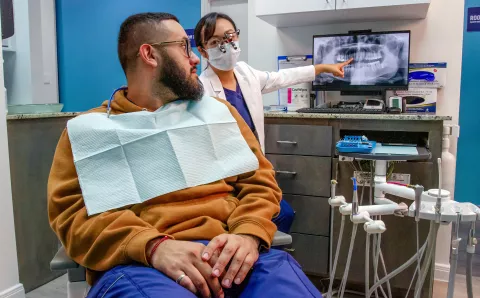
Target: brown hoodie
244, 204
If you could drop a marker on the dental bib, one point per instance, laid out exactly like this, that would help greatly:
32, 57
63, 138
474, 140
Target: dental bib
130, 158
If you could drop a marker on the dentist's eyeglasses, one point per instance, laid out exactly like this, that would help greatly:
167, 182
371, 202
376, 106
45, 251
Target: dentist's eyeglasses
229, 37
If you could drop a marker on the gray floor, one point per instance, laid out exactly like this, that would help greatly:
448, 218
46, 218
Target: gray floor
58, 289
54, 289
464, 229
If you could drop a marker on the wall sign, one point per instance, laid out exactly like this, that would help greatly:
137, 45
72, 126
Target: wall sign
473, 19
190, 36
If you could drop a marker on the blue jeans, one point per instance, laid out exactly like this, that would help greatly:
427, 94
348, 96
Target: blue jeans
284, 220
276, 274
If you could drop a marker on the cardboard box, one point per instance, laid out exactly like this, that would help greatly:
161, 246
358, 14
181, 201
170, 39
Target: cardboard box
427, 75
419, 100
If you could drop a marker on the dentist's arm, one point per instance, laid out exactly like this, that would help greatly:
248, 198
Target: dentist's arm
272, 81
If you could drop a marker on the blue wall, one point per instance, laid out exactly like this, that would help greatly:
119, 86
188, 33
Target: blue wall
87, 30
468, 159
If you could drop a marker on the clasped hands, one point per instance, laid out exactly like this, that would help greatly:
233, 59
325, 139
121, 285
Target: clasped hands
204, 270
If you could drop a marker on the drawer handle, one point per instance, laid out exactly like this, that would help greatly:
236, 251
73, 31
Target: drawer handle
286, 173
287, 142
289, 249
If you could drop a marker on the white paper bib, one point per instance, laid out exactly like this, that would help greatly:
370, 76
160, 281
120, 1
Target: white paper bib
130, 158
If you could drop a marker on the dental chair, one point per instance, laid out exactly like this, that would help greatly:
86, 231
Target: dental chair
77, 286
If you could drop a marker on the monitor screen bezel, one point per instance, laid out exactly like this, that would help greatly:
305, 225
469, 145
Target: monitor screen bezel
361, 87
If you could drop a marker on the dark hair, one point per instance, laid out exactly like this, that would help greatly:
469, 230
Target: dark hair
136, 30
208, 24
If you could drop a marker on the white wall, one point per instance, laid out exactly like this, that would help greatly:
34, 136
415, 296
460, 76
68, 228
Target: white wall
31, 72
9, 279
238, 11
49, 75
17, 70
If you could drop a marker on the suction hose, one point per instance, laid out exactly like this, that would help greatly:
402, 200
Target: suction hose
396, 271
432, 235
337, 252
349, 258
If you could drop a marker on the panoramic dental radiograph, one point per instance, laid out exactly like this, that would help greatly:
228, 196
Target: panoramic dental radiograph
378, 59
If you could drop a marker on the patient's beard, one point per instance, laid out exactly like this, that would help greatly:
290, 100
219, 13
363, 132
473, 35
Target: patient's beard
183, 85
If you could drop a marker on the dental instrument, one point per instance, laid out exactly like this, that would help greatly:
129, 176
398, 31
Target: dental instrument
355, 199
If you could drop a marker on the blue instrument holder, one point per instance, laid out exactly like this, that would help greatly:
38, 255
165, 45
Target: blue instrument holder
355, 144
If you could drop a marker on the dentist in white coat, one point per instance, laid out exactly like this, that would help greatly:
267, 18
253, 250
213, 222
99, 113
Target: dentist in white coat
217, 39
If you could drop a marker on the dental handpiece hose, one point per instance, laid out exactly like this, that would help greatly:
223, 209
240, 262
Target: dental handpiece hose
454, 259
418, 197
438, 207
471, 243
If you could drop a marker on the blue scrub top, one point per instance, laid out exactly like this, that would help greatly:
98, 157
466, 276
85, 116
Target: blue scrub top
235, 98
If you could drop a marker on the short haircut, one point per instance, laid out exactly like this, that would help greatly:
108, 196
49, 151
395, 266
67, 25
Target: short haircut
136, 30
208, 24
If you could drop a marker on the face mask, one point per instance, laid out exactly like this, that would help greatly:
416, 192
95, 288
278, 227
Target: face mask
224, 61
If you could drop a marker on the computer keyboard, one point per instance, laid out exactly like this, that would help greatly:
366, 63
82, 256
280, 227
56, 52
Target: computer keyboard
340, 111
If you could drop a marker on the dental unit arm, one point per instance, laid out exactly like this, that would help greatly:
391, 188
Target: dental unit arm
434, 205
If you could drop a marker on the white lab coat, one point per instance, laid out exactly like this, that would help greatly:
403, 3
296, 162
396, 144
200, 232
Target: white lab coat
253, 84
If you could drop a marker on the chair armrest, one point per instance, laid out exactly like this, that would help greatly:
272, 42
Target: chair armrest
61, 261
281, 238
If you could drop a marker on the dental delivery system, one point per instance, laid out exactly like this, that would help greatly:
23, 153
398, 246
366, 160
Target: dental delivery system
433, 205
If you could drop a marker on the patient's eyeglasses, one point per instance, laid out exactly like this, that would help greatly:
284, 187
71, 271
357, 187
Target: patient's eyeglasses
185, 43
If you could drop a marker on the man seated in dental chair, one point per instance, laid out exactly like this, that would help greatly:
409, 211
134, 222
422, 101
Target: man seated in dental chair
162, 192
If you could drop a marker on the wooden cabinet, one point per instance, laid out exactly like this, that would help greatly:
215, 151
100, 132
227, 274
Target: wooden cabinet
311, 252
301, 157
313, 214
303, 175
298, 139
31, 144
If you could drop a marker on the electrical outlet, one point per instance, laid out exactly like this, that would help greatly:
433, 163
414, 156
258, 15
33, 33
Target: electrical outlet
363, 178
345, 158
400, 178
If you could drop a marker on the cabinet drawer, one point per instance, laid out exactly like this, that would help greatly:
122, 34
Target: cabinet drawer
298, 139
302, 175
312, 215
311, 252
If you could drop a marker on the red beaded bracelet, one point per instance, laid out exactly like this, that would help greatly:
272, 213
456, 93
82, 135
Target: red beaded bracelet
149, 258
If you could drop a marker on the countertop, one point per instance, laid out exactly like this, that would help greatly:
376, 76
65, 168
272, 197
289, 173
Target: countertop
421, 117
405, 117
40, 116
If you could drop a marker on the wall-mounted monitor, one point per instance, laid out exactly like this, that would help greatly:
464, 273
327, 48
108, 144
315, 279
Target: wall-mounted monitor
380, 60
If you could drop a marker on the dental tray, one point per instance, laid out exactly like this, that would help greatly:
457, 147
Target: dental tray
355, 144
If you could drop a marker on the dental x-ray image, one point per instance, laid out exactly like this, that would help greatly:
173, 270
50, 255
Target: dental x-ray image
380, 60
